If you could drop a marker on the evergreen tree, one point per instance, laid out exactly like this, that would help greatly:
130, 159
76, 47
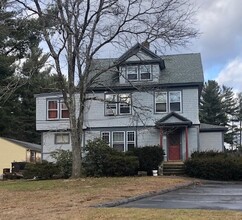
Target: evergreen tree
211, 106
17, 118
230, 108
218, 106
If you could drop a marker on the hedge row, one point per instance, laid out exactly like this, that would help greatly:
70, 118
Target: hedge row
214, 166
100, 160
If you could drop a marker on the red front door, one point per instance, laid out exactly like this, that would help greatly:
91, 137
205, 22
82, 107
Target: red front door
174, 152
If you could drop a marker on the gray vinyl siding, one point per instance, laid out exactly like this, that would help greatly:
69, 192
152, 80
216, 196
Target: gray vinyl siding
211, 141
143, 105
49, 145
142, 112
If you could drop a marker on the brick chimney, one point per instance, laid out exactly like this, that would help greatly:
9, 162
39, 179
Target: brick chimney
146, 44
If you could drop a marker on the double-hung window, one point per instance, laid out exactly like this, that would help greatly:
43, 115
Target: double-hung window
117, 104
57, 109
130, 140
145, 72
168, 102
111, 103
119, 141
175, 101
160, 102
124, 104
106, 137
64, 113
53, 109
132, 73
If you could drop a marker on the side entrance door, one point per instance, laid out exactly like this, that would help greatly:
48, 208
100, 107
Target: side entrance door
174, 148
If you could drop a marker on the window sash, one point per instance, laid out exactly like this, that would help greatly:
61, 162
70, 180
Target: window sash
145, 72
52, 109
106, 137
175, 101
130, 140
62, 138
132, 73
160, 102
124, 104
110, 104
64, 110
118, 140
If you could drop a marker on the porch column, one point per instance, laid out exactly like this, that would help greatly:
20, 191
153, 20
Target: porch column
161, 137
186, 131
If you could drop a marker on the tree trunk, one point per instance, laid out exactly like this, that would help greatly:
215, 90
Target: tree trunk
76, 140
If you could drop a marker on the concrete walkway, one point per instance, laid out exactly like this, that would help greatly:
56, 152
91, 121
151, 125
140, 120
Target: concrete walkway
214, 196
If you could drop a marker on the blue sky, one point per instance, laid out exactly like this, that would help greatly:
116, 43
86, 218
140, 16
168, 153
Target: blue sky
220, 42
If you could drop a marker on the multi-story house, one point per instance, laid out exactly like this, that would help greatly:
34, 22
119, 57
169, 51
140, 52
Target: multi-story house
146, 100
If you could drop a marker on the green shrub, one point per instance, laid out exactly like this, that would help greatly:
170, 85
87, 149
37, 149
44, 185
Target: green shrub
205, 154
150, 157
63, 160
101, 160
214, 167
44, 170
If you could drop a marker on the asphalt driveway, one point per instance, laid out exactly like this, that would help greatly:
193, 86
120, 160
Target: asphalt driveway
214, 196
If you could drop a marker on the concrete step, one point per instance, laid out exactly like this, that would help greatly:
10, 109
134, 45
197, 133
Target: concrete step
173, 168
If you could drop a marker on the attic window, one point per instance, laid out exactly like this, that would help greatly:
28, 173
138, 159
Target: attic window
132, 73
138, 72
145, 72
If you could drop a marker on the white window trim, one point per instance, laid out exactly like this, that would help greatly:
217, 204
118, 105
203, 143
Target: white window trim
137, 73
127, 142
109, 138
58, 111
124, 139
60, 106
55, 136
107, 102
172, 102
119, 104
150, 68
162, 102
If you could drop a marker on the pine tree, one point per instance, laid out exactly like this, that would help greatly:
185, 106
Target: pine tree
211, 107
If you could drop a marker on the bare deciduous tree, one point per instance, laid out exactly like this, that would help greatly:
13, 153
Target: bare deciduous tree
77, 31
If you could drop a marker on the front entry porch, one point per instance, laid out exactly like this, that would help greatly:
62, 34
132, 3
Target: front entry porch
174, 136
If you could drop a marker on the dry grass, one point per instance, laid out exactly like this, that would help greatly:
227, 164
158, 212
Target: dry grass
70, 199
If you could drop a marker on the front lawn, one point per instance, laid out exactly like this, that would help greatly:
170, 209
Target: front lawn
70, 199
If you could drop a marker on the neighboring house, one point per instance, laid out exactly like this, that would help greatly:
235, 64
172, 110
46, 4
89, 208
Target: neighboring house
17, 151
148, 100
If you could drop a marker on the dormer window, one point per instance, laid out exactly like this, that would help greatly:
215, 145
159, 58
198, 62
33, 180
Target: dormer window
145, 72
132, 73
137, 72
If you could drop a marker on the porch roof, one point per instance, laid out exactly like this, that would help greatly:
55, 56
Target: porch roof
173, 119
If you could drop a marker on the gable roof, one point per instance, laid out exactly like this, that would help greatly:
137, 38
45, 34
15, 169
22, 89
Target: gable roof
208, 128
173, 119
27, 145
181, 69
140, 48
